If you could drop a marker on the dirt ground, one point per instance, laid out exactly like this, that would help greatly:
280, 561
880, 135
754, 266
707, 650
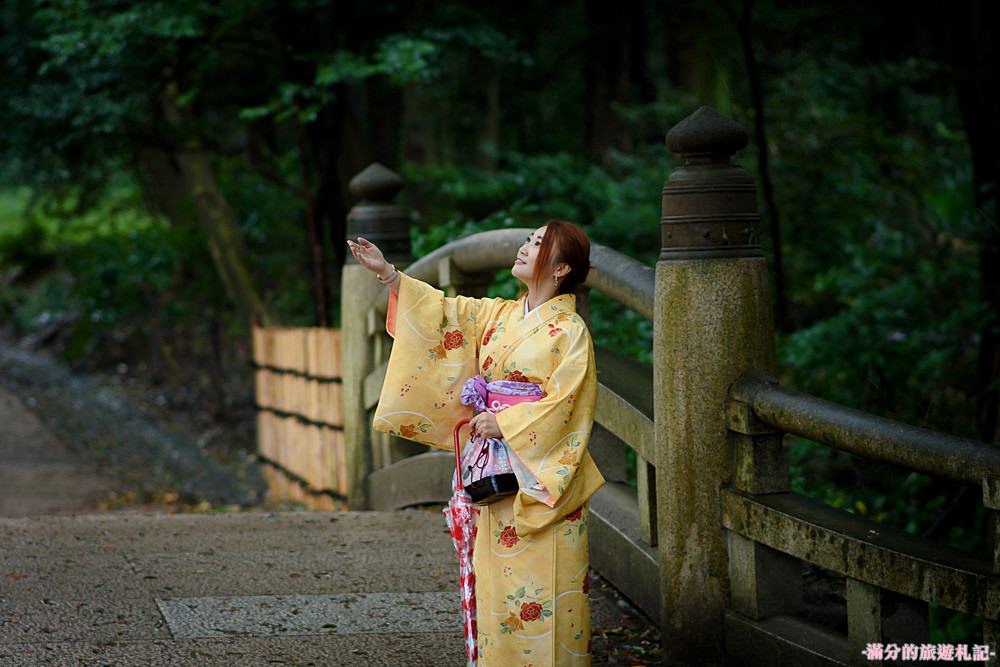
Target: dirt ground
38, 473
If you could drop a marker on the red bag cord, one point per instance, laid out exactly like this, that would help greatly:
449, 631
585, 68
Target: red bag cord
458, 453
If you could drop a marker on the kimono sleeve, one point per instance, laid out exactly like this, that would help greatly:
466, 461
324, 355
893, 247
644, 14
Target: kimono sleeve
550, 435
435, 349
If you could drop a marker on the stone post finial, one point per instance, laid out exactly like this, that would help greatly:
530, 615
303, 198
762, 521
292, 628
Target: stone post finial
376, 183
706, 134
709, 204
376, 217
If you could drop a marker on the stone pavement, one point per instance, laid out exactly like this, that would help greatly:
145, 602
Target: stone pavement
237, 589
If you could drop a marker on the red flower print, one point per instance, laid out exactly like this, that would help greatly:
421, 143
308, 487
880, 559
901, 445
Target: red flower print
531, 611
508, 536
453, 339
488, 335
575, 514
517, 376
553, 330
407, 430
487, 363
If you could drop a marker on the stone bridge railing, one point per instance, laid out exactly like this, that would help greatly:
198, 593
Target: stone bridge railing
710, 543
891, 575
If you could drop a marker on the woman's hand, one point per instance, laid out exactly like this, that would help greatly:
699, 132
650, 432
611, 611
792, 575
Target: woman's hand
485, 425
368, 255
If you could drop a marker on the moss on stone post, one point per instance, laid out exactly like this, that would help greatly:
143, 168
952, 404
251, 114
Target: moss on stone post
386, 225
712, 321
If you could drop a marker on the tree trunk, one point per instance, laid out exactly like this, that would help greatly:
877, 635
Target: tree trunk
973, 51
606, 75
225, 243
313, 239
745, 28
489, 130
162, 186
692, 63
418, 130
330, 212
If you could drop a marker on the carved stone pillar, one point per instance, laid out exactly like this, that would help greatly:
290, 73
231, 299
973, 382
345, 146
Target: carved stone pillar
387, 225
712, 321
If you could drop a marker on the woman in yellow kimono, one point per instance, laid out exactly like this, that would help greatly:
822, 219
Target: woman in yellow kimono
531, 552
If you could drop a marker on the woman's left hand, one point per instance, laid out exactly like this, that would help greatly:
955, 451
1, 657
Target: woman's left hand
485, 425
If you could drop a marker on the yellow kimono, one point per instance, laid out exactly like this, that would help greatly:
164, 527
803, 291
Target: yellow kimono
531, 553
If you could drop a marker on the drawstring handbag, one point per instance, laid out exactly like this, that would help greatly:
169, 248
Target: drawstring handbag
485, 467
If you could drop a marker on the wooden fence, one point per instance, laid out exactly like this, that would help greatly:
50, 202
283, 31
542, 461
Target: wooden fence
300, 428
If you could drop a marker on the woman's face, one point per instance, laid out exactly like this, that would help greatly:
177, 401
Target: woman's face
524, 263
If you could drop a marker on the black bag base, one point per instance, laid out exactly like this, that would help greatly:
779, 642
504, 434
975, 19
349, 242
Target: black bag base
492, 488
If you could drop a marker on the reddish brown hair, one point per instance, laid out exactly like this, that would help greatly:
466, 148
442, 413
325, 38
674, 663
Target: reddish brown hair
563, 242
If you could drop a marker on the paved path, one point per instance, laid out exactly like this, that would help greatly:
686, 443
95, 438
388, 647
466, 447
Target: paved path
38, 474
238, 589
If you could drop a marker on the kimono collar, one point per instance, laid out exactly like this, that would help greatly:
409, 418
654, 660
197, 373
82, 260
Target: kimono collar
560, 302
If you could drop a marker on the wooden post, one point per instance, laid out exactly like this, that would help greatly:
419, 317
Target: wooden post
386, 225
712, 321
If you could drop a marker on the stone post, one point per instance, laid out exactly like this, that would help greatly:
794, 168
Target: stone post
386, 225
712, 321
991, 501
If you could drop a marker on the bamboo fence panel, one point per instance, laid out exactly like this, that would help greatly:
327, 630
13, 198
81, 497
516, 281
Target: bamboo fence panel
300, 437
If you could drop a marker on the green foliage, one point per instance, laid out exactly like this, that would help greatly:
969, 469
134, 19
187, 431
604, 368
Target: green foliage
107, 274
22, 244
954, 627
617, 205
85, 76
115, 272
885, 289
401, 58
432, 56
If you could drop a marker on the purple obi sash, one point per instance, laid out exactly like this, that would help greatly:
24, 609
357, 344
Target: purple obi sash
498, 395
